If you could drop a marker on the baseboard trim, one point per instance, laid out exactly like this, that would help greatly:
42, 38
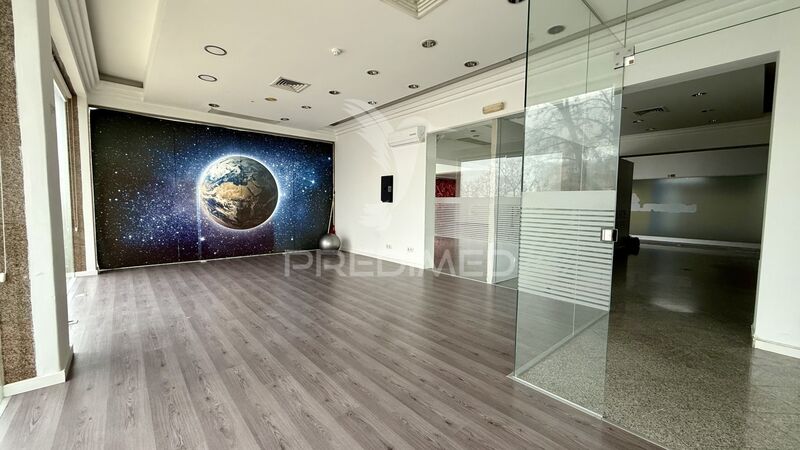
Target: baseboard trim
39, 382
86, 273
774, 347
384, 258
706, 242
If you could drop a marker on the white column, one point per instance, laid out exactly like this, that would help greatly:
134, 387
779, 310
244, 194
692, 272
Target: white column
36, 110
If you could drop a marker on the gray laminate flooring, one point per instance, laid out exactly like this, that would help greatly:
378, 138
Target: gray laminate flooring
243, 354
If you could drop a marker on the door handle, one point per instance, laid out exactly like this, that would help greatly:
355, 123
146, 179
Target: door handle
609, 234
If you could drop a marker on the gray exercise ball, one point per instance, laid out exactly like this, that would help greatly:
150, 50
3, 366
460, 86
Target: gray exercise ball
330, 242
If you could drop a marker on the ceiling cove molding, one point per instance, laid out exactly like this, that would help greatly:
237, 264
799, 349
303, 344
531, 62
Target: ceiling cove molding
498, 78
156, 35
415, 8
131, 99
75, 19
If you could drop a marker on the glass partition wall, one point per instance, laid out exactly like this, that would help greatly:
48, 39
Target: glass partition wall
571, 150
477, 200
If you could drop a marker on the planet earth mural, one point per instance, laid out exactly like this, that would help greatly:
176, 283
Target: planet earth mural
238, 192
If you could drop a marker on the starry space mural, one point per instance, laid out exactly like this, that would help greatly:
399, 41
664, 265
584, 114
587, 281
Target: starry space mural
168, 191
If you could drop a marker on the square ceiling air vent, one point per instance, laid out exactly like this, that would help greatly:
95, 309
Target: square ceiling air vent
415, 8
289, 85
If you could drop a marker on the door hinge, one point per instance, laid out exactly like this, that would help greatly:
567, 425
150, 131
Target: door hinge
624, 57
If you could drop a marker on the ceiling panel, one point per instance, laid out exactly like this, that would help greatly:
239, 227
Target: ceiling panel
728, 97
268, 39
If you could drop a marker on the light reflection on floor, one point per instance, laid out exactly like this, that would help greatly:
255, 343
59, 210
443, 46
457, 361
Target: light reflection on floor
680, 368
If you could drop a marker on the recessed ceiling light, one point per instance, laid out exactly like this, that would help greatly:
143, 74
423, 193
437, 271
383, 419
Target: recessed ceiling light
473, 131
556, 29
306, 107
213, 105
707, 110
372, 72
638, 121
651, 129
285, 119
209, 78
471, 64
215, 50
271, 99
335, 51
699, 94
334, 92
413, 86
372, 102
713, 121
428, 43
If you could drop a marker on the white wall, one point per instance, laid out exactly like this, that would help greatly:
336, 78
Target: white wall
714, 163
777, 322
368, 226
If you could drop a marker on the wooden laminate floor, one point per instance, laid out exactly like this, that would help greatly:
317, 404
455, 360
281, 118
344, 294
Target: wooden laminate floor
236, 354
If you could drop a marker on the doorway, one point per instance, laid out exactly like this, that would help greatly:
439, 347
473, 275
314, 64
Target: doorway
477, 199
681, 368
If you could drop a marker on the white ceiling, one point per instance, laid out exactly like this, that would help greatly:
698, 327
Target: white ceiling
733, 96
123, 30
160, 43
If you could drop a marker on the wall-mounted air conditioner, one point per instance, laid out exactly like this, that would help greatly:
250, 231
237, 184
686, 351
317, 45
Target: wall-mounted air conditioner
413, 135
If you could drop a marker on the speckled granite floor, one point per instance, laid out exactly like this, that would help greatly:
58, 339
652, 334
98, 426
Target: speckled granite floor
680, 369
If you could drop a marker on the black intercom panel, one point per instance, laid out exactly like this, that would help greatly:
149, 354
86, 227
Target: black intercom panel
387, 186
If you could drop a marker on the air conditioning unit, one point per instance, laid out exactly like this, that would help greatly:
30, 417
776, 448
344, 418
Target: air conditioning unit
413, 135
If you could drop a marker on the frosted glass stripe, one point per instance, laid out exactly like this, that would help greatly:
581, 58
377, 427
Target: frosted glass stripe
561, 254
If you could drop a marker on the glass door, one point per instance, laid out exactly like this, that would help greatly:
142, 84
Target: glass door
574, 81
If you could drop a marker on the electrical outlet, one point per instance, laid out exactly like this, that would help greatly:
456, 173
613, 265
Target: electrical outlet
389, 246
410, 249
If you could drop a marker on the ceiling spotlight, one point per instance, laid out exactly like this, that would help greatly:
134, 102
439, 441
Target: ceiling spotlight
707, 110
213, 105
556, 29
209, 78
372, 72
215, 50
336, 51
334, 92
699, 94
428, 43
713, 121
285, 119
306, 107
638, 121
372, 102
471, 64
413, 86
271, 99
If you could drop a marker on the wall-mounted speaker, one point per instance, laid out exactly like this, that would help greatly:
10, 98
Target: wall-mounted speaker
387, 186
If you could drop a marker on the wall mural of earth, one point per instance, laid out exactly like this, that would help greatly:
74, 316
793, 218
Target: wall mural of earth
238, 192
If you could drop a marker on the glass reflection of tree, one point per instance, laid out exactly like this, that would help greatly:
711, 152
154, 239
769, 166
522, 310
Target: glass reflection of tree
571, 145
